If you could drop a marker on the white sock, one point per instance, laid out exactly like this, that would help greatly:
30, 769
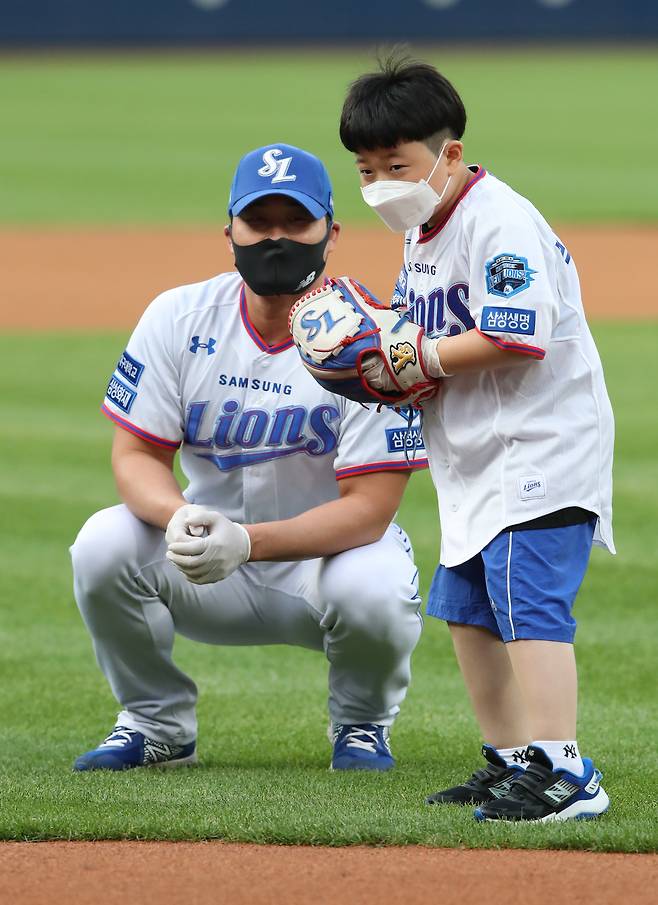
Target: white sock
564, 754
514, 757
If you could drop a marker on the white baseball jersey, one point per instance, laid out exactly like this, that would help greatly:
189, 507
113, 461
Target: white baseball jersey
510, 445
260, 439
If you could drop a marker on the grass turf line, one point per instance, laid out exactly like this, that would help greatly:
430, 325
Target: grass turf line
154, 139
262, 711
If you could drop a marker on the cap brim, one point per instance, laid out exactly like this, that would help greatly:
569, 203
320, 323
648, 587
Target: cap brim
311, 205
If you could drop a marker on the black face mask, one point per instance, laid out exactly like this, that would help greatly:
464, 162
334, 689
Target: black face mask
280, 266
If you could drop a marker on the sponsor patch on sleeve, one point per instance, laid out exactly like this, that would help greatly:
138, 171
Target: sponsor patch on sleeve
404, 438
507, 275
121, 395
508, 320
130, 368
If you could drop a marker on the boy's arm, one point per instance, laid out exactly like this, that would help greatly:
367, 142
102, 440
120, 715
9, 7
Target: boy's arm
468, 352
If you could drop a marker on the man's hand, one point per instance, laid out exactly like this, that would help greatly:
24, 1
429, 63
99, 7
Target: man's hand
224, 546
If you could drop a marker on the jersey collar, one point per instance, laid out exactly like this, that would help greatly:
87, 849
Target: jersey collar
255, 335
480, 173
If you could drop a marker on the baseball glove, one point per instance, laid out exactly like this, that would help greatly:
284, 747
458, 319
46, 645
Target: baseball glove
340, 325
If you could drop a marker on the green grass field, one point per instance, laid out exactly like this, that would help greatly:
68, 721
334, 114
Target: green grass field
262, 711
139, 139
153, 140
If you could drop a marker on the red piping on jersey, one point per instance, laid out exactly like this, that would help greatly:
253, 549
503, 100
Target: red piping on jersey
533, 351
255, 335
435, 230
137, 431
355, 470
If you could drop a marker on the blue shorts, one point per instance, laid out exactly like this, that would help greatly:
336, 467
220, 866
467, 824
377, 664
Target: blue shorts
522, 585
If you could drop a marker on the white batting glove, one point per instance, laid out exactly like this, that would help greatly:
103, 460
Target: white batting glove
186, 522
203, 560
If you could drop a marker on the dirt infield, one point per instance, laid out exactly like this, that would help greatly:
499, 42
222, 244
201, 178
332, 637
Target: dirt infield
87, 873
92, 279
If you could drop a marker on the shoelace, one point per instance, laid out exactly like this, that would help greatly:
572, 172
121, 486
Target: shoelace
118, 738
362, 738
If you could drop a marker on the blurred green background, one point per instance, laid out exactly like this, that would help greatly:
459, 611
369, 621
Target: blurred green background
153, 139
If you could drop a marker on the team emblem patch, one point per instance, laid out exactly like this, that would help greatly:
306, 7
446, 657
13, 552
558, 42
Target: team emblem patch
402, 354
507, 275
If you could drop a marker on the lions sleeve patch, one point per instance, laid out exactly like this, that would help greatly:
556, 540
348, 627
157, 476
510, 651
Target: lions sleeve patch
507, 275
508, 320
130, 368
121, 395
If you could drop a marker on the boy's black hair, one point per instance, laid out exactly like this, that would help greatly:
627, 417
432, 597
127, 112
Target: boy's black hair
405, 101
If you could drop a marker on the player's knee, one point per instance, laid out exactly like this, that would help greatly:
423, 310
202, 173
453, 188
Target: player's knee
372, 603
101, 552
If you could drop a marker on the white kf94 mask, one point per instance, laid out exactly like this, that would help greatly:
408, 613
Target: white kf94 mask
403, 205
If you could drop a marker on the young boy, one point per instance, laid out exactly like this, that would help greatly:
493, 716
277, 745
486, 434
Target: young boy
519, 437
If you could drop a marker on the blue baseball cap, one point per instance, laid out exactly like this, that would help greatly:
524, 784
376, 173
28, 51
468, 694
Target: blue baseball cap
281, 169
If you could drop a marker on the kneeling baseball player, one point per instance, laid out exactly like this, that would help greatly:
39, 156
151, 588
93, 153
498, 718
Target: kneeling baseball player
284, 534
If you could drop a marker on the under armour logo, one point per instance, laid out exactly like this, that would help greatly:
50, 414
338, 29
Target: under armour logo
277, 169
209, 346
520, 756
570, 751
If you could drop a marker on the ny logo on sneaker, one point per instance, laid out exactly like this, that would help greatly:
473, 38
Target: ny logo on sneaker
520, 756
570, 751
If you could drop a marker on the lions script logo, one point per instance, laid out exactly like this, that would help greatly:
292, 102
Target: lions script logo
402, 355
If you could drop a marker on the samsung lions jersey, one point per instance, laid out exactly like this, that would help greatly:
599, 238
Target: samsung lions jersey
507, 446
260, 440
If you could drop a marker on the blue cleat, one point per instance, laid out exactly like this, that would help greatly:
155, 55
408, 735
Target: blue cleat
364, 746
124, 749
544, 795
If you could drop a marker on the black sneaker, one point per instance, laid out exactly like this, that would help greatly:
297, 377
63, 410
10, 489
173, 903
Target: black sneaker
543, 794
487, 784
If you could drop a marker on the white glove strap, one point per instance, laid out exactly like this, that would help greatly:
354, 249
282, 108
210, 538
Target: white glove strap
247, 540
432, 358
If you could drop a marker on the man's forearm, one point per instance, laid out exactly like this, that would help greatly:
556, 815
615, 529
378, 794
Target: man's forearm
330, 528
148, 487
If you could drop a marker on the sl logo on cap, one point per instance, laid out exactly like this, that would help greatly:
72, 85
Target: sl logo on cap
277, 169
